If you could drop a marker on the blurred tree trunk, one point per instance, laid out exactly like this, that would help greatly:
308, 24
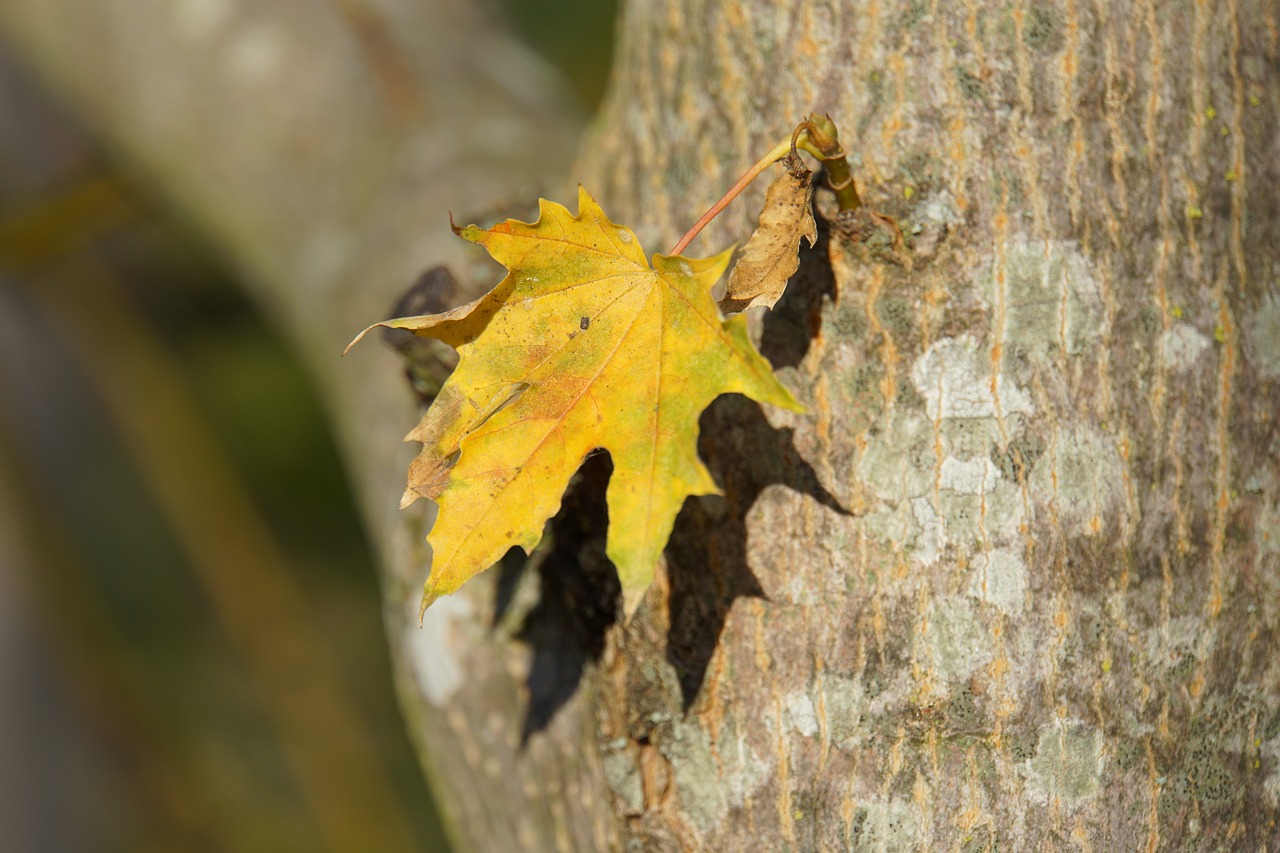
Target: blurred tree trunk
1013, 581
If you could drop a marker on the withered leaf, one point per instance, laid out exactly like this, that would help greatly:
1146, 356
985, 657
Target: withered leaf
771, 256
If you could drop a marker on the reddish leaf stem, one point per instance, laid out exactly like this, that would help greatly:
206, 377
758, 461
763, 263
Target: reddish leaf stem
779, 151
815, 135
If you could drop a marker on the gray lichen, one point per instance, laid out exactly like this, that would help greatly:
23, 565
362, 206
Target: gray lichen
1182, 345
622, 775
1262, 337
1050, 297
884, 826
843, 704
1068, 763
958, 640
1081, 474
999, 577
711, 781
954, 377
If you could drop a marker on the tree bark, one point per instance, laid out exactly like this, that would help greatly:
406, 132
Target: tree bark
1047, 614
1013, 581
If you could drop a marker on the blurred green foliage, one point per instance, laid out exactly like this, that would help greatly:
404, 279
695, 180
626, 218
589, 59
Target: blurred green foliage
576, 36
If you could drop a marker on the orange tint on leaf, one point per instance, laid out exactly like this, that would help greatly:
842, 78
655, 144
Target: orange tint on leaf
583, 345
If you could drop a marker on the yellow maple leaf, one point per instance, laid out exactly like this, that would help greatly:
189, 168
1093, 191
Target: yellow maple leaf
582, 346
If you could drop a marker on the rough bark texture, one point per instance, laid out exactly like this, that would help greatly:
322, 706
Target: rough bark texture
1049, 617
1013, 582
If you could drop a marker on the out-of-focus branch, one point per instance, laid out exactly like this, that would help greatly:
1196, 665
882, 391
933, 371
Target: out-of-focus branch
321, 147
317, 144
237, 561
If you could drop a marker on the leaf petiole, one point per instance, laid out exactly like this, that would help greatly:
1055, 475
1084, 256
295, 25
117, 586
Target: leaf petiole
817, 136
782, 149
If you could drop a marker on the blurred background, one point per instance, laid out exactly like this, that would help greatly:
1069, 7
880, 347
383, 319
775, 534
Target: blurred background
191, 647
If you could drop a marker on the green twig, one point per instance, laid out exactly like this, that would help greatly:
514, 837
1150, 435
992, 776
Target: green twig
818, 136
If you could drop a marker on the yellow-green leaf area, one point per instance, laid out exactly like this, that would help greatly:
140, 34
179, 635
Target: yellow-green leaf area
583, 346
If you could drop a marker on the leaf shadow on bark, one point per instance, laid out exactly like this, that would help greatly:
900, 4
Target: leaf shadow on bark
708, 567
579, 588
707, 557
795, 321
578, 601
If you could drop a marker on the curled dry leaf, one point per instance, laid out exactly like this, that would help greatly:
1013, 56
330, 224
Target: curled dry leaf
582, 346
771, 255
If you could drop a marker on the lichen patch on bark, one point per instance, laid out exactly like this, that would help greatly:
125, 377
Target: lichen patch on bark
1081, 476
937, 472
432, 654
1181, 345
1050, 299
842, 707
886, 825
1271, 785
1262, 337
968, 476
1068, 763
801, 716
931, 535
954, 377
622, 775
999, 577
709, 781
958, 639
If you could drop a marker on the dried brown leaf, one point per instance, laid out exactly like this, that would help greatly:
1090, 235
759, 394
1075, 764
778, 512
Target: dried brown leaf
772, 254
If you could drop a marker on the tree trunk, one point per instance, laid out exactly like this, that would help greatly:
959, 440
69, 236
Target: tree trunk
1014, 579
